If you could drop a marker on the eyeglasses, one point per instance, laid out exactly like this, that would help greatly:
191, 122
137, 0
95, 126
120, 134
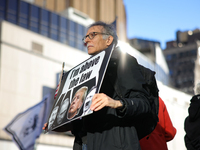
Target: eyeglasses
91, 35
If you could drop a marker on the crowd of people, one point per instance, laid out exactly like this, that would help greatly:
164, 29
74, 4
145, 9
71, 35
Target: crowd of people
108, 128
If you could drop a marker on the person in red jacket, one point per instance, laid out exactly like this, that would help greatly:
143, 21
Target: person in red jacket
163, 133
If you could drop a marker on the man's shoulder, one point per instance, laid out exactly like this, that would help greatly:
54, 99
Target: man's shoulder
118, 51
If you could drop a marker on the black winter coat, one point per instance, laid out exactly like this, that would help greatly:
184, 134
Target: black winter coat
192, 125
111, 129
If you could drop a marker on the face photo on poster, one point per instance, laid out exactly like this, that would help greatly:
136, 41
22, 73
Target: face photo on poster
59, 110
70, 105
79, 97
88, 101
52, 117
77, 102
64, 104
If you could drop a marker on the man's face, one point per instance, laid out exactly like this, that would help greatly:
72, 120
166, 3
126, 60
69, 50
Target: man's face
97, 44
53, 116
63, 110
88, 99
76, 103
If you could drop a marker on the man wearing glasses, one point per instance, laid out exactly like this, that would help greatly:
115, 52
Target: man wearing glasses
109, 127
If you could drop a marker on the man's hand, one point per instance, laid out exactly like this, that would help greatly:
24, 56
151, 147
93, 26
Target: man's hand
101, 100
45, 126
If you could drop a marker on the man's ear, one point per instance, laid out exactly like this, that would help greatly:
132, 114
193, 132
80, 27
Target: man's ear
109, 40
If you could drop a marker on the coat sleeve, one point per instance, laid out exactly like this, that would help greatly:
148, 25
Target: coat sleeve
130, 84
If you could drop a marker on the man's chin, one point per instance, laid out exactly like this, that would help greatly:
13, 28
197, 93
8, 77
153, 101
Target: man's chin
90, 52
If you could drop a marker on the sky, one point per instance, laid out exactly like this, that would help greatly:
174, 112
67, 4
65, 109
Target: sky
159, 20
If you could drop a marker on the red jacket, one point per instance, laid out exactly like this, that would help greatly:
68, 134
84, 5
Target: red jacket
163, 132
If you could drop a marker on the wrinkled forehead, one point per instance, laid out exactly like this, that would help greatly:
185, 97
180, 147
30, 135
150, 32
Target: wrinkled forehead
95, 29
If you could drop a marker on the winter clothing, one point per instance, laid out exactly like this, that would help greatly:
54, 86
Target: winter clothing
163, 132
192, 124
113, 129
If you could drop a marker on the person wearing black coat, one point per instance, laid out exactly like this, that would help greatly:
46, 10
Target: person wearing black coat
192, 122
121, 99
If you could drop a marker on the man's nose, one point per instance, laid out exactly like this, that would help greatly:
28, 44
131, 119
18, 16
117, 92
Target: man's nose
87, 39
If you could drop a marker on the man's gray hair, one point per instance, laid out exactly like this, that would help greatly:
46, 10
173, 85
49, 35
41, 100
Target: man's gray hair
108, 29
197, 88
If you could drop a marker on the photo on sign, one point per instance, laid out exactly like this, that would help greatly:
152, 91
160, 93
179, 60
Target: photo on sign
88, 101
77, 102
77, 88
63, 109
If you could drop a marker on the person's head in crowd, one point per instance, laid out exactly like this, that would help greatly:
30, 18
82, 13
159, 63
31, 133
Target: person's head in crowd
63, 109
77, 102
197, 88
53, 116
99, 37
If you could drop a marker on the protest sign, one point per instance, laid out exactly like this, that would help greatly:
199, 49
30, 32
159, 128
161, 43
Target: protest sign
77, 88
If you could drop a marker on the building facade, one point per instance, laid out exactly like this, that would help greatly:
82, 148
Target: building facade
34, 42
146, 47
44, 22
98, 10
182, 57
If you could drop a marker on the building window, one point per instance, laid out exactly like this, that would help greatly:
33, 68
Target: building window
169, 57
44, 22
53, 26
11, 15
171, 72
79, 36
34, 18
63, 32
2, 9
72, 33
23, 14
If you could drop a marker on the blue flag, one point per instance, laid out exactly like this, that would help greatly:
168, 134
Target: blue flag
26, 127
